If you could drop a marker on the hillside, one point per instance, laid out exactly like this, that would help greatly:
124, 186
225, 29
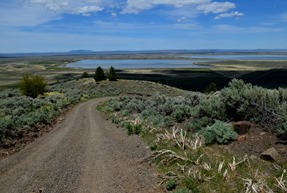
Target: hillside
199, 142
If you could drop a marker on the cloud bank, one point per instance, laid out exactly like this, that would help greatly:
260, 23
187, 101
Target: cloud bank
82, 7
232, 14
88, 7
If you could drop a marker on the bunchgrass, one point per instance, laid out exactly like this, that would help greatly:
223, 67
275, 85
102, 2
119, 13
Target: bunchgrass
185, 160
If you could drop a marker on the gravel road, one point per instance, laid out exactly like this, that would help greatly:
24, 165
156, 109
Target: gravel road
84, 153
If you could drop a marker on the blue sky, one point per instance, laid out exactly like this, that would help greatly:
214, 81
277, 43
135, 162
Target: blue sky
105, 25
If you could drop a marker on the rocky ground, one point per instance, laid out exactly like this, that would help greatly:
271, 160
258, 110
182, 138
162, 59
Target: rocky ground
255, 140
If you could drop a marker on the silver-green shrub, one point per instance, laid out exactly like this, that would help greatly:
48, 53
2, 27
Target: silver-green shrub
256, 104
220, 132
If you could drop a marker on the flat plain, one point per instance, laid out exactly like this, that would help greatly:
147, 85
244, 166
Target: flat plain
269, 74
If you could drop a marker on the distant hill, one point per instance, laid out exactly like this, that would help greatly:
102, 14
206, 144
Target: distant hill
202, 51
81, 52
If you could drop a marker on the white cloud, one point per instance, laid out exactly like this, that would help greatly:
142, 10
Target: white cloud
88, 9
232, 14
136, 6
84, 7
181, 8
216, 7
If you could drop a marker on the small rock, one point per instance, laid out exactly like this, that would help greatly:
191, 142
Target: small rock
241, 138
270, 154
242, 127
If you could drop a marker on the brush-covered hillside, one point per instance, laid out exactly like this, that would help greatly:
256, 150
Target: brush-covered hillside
23, 116
232, 140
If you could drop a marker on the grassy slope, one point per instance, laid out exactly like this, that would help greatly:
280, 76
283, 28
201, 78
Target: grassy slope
194, 167
21, 115
184, 163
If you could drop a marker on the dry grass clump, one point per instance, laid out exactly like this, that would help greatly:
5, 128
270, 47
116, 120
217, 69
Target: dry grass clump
184, 133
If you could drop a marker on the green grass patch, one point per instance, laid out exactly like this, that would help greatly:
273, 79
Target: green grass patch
42, 63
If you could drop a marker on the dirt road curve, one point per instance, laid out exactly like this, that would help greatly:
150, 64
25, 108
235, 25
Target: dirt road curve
84, 153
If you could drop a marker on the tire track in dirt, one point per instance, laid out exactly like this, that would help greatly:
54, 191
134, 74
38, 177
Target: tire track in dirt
84, 153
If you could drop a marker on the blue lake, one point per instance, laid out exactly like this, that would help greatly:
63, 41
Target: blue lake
188, 61
132, 64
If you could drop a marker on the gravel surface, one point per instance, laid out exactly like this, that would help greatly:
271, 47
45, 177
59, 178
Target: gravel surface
84, 153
